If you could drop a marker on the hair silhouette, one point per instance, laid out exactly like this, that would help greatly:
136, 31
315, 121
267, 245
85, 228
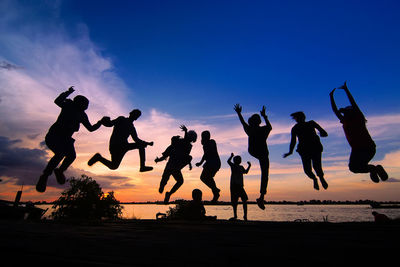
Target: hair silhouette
59, 137
363, 148
212, 163
178, 154
257, 146
123, 127
309, 147
237, 185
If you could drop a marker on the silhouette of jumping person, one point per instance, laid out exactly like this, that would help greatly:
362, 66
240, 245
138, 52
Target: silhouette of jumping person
119, 145
212, 163
178, 154
363, 148
237, 185
59, 137
258, 145
309, 147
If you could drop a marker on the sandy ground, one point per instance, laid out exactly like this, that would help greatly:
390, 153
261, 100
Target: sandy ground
216, 243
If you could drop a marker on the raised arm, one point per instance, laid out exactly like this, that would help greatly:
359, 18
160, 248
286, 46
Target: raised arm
238, 110
349, 96
184, 129
246, 171
269, 126
59, 101
292, 144
333, 105
230, 160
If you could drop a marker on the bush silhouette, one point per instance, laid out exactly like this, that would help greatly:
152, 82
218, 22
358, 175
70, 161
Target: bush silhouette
85, 200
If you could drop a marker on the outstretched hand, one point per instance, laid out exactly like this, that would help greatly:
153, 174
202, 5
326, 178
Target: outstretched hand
150, 143
105, 120
323, 134
71, 89
183, 128
198, 164
237, 108
331, 93
287, 154
249, 163
262, 112
344, 86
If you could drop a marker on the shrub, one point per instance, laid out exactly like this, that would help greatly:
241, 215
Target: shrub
85, 200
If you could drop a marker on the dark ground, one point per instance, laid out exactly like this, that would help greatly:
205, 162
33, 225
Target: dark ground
214, 243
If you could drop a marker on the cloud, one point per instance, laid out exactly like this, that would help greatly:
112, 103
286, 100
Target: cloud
393, 180
23, 165
8, 66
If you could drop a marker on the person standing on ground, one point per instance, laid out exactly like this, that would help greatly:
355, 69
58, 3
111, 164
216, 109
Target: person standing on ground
237, 185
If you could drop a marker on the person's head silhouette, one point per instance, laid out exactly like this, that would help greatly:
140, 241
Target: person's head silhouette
347, 111
191, 136
205, 136
197, 195
254, 120
299, 116
81, 102
135, 114
237, 160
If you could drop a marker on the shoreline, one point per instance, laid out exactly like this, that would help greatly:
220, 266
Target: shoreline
193, 243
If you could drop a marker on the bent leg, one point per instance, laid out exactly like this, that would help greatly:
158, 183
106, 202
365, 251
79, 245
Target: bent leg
179, 181
306, 159
207, 177
164, 180
317, 165
70, 156
307, 167
142, 155
52, 164
359, 160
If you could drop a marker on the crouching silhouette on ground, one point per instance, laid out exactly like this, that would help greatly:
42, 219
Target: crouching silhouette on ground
309, 147
363, 148
193, 210
178, 154
119, 145
59, 137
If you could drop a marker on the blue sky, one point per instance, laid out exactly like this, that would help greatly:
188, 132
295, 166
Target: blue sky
284, 54
190, 62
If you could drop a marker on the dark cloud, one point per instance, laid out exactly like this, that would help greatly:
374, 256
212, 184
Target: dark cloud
8, 66
23, 164
108, 182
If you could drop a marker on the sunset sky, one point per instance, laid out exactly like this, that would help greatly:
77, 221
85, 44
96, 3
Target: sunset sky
189, 62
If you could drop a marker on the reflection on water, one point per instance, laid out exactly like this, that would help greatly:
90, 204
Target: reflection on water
333, 213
